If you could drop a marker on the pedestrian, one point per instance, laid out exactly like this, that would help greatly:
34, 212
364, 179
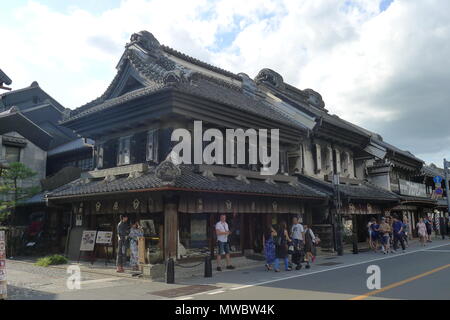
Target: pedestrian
397, 229
310, 243
281, 247
374, 228
223, 246
371, 233
123, 231
406, 231
135, 233
442, 227
429, 227
385, 230
297, 233
422, 231
269, 247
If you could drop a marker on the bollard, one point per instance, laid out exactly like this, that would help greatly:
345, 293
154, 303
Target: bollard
208, 267
355, 244
170, 271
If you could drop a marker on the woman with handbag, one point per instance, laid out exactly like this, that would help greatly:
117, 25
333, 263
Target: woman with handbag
281, 247
310, 240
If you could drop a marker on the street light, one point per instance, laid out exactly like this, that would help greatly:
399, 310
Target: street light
338, 218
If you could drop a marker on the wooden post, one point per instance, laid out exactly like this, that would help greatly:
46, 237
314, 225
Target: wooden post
170, 228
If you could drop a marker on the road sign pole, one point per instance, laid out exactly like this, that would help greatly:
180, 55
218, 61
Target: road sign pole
446, 176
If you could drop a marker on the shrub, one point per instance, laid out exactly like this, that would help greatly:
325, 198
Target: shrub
51, 260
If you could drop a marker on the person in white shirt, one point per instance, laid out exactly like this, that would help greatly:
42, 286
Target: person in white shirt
297, 232
222, 232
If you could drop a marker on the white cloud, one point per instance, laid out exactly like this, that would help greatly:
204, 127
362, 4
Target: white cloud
387, 71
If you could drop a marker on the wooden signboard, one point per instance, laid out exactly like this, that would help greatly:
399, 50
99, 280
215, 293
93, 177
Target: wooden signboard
88, 240
3, 280
104, 237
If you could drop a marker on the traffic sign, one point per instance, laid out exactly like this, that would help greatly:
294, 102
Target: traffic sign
437, 179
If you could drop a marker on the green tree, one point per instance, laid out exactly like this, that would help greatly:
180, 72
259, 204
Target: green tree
13, 188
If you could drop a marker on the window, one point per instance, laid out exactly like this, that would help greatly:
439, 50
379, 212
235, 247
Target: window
12, 154
123, 154
152, 145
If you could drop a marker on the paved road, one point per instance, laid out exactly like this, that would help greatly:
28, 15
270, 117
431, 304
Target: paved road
420, 273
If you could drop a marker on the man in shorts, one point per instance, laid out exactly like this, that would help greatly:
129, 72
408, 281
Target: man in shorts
223, 247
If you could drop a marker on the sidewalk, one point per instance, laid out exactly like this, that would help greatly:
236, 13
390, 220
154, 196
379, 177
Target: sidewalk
191, 269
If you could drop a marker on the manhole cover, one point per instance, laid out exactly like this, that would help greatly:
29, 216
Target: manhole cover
328, 264
184, 291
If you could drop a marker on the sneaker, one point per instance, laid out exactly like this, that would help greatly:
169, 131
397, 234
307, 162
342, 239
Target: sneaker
219, 269
230, 267
307, 266
298, 267
277, 270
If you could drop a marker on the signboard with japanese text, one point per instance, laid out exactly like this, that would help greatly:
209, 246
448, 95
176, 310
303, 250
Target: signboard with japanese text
413, 189
88, 240
104, 237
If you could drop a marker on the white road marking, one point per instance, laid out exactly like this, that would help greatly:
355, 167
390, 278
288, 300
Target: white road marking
276, 279
216, 292
100, 280
185, 298
335, 268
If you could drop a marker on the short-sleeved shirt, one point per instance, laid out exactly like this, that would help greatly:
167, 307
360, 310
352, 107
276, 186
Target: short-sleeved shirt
397, 226
222, 227
296, 231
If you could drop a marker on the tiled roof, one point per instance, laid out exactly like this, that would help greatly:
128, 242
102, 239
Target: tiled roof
189, 180
4, 78
432, 171
154, 72
364, 191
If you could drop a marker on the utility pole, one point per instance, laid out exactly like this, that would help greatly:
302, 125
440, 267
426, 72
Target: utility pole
446, 176
338, 218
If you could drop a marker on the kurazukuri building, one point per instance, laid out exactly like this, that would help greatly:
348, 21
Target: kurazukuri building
157, 90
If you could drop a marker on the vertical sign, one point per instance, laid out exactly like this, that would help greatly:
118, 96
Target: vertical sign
3, 282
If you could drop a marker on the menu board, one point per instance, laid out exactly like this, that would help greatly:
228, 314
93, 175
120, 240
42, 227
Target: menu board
3, 280
104, 237
88, 240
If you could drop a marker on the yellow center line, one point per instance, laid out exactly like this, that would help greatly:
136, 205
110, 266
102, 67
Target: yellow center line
400, 283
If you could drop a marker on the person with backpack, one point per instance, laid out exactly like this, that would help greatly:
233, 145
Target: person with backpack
310, 242
281, 247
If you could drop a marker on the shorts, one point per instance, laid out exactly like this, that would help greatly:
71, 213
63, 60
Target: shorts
223, 247
385, 239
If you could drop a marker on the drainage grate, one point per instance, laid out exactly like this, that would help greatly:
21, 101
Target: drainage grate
328, 264
184, 291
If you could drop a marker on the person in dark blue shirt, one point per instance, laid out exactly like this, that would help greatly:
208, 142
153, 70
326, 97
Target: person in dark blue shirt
398, 231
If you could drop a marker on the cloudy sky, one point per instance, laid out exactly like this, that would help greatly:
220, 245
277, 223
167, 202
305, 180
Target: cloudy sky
382, 64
